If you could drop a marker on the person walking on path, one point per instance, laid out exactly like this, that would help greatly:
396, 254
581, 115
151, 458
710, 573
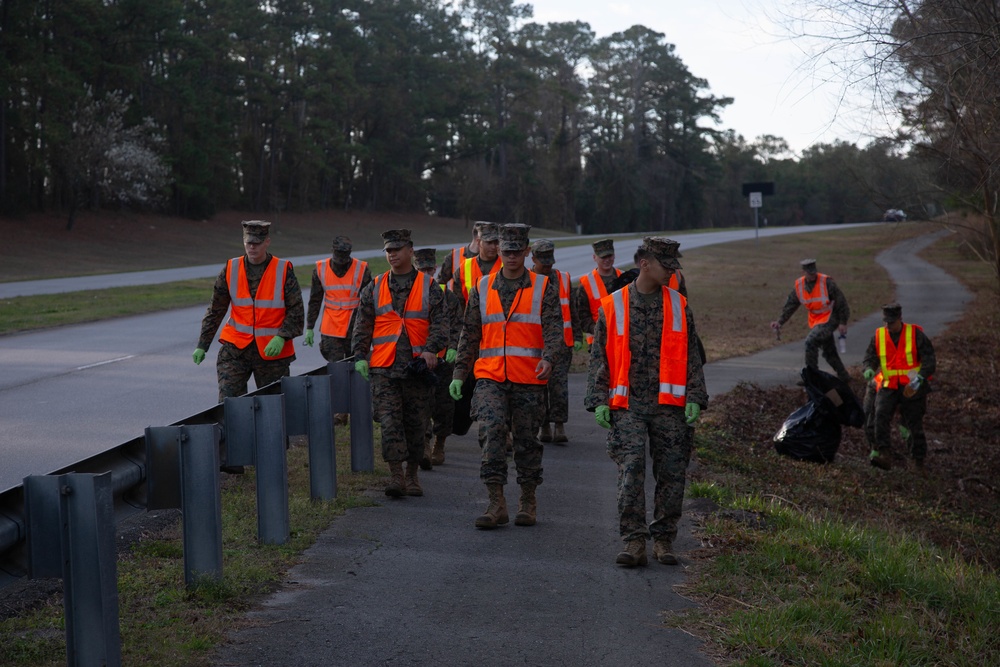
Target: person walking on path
442, 413
900, 359
485, 263
828, 314
646, 383
336, 286
513, 326
264, 301
401, 326
454, 259
596, 285
557, 389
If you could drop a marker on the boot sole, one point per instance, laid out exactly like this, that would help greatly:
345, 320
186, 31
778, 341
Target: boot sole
628, 560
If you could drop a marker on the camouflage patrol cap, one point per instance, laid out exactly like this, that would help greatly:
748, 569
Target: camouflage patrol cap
514, 236
543, 250
256, 231
396, 238
342, 246
663, 249
892, 312
489, 231
425, 258
808, 265
477, 227
604, 247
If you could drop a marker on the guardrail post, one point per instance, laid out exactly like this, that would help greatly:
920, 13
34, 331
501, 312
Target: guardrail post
255, 435
309, 411
358, 401
71, 534
182, 471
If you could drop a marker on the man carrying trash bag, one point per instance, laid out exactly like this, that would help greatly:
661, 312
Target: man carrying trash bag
812, 433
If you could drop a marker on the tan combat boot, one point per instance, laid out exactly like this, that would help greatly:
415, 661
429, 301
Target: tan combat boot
545, 433
426, 463
559, 434
412, 483
663, 551
634, 554
496, 513
437, 454
526, 506
397, 485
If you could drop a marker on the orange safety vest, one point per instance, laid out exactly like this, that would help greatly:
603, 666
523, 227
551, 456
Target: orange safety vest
457, 257
471, 274
594, 287
512, 344
897, 362
817, 302
564, 296
340, 296
256, 319
675, 282
673, 348
389, 324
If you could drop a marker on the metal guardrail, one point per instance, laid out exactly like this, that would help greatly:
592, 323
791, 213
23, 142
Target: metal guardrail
127, 465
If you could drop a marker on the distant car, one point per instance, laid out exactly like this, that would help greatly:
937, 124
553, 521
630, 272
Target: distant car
894, 215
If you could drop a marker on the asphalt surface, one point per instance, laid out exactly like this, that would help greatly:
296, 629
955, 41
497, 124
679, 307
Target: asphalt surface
412, 582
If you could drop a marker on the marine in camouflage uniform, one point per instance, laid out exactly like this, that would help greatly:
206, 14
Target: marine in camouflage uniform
447, 270
333, 348
235, 365
604, 258
442, 414
665, 427
557, 390
506, 406
400, 398
882, 401
820, 338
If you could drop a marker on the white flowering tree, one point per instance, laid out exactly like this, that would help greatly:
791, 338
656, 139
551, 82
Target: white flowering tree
109, 162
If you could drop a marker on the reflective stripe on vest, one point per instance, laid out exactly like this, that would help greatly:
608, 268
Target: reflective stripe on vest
389, 324
256, 319
564, 296
511, 346
817, 301
593, 287
340, 298
673, 349
897, 362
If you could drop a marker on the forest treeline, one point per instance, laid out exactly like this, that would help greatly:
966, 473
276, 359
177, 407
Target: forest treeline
468, 110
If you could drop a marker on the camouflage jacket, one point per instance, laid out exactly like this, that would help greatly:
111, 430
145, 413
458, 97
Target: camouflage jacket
294, 309
645, 331
507, 289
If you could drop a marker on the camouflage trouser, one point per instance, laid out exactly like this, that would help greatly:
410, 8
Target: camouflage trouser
235, 366
670, 448
501, 407
911, 416
402, 406
869, 406
820, 339
334, 349
443, 409
557, 389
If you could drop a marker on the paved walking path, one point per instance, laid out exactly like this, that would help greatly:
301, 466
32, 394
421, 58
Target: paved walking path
412, 582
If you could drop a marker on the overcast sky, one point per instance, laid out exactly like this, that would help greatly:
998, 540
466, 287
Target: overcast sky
743, 55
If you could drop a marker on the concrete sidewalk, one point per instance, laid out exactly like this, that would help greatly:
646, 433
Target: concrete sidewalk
412, 582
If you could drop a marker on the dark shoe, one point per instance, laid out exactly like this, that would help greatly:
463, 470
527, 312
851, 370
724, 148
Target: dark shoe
559, 434
545, 433
663, 552
397, 485
634, 554
437, 454
880, 460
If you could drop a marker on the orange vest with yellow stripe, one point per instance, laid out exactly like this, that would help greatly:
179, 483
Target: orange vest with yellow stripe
471, 274
673, 349
389, 324
897, 361
512, 344
256, 319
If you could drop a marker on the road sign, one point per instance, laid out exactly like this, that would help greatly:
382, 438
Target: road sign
756, 200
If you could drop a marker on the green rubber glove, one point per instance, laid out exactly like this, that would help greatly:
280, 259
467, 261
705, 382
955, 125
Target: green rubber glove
274, 347
451, 355
904, 432
691, 412
361, 366
308, 339
603, 416
869, 374
198, 356
455, 389
577, 345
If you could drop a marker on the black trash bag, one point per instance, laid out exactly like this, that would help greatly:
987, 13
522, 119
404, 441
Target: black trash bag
809, 434
463, 419
835, 396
